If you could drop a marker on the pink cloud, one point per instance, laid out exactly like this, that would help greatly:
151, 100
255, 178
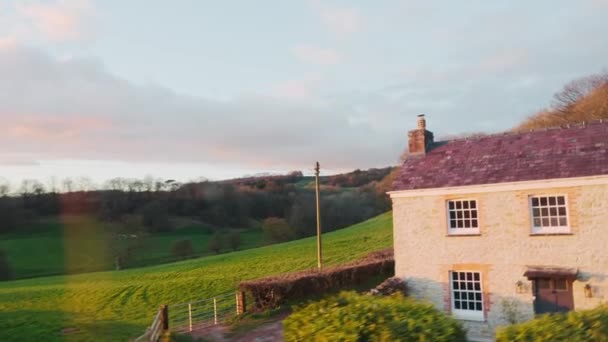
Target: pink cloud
54, 129
297, 89
59, 21
340, 20
7, 42
316, 55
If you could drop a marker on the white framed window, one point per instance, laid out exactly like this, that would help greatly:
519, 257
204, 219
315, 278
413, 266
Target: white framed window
549, 214
462, 217
467, 295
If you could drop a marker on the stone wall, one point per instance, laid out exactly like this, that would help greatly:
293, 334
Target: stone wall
424, 253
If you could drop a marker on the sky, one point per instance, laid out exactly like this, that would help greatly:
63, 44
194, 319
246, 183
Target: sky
186, 89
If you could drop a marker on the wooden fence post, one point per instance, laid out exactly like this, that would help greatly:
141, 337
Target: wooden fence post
165, 316
214, 311
240, 303
190, 315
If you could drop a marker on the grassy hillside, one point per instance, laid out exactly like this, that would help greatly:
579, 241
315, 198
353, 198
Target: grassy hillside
114, 306
80, 244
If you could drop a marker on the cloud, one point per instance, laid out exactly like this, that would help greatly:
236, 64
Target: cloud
54, 21
298, 89
340, 20
54, 109
316, 55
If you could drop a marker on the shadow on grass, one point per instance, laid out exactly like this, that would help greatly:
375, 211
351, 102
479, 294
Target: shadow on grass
27, 325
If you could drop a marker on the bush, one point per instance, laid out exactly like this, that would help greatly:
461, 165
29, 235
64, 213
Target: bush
215, 244
574, 326
269, 293
182, 249
235, 240
277, 230
354, 317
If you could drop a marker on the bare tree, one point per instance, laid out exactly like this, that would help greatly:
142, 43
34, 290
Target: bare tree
5, 187
85, 184
575, 90
67, 184
159, 185
51, 184
148, 183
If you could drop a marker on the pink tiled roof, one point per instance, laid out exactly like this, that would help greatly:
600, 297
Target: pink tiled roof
575, 151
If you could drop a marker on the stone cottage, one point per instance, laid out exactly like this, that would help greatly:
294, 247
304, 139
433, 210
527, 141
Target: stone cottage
495, 229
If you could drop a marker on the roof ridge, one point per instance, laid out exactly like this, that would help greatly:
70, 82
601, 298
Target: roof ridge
544, 129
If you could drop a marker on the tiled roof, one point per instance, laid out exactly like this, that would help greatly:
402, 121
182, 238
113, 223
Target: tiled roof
574, 151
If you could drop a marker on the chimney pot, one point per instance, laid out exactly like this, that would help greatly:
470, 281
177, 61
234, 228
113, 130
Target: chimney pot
421, 122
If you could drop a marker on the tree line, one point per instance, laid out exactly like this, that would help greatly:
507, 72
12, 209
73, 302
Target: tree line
226, 204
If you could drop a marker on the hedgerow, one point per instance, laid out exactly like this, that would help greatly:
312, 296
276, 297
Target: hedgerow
354, 317
575, 326
271, 292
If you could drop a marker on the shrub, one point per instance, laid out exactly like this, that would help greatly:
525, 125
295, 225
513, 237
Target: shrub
574, 326
277, 230
269, 293
182, 249
215, 244
354, 317
235, 240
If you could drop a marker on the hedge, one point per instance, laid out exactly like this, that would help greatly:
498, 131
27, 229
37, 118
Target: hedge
575, 326
268, 293
354, 317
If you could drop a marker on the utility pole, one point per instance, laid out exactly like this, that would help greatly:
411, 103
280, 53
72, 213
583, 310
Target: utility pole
319, 251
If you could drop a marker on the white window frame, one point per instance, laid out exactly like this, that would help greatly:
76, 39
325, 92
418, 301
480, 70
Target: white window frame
468, 315
552, 229
461, 231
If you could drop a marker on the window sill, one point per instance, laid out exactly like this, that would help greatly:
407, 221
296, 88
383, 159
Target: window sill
550, 234
468, 318
457, 235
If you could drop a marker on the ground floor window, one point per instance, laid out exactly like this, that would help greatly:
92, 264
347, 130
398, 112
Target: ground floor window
467, 295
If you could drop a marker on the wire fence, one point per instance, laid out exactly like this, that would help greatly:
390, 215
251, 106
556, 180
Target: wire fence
203, 313
195, 315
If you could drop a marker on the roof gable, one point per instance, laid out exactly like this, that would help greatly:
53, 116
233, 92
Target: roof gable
565, 152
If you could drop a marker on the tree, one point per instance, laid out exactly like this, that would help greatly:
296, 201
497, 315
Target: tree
582, 100
5, 187
155, 217
68, 185
576, 90
277, 230
6, 273
182, 249
235, 240
215, 244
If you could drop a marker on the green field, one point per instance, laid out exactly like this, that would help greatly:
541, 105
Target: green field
80, 244
118, 305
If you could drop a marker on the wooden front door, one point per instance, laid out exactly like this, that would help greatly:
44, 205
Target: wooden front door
552, 295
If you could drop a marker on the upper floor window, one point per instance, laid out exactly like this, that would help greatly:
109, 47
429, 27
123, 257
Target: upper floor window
549, 214
462, 217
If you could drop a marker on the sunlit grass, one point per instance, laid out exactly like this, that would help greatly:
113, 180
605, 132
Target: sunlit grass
114, 306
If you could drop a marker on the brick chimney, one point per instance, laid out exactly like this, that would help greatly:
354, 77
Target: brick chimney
420, 139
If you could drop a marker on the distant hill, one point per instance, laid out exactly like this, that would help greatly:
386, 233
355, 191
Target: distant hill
130, 224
